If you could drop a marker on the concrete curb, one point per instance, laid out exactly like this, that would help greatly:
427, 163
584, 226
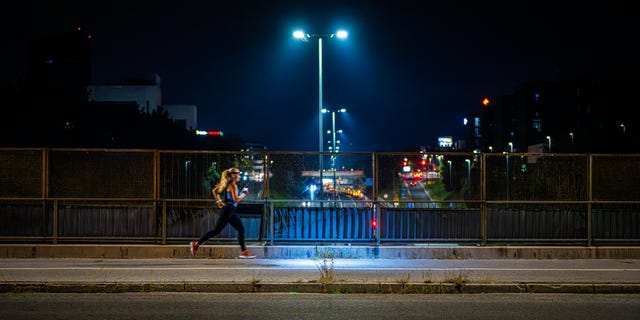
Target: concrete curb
343, 288
133, 251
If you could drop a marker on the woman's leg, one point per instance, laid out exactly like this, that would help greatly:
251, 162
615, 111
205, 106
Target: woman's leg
236, 223
225, 214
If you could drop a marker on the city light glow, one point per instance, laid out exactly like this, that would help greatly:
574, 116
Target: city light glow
209, 133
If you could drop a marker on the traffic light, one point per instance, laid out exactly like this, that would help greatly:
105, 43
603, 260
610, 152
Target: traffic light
405, 165
423, 163
374, 227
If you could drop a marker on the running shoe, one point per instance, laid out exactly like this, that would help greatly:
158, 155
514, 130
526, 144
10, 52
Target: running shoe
194, 248
246, 255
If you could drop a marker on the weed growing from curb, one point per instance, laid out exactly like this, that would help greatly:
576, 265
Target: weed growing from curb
458, 279
404, 281
325, 262
426, 276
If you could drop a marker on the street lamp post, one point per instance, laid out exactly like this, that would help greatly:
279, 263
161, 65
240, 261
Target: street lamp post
300, 35
334, 147
333, 132
549, 138
571, 135
468, 176
508, 182
449, 162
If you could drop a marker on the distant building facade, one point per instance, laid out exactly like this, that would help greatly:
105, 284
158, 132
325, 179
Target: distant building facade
584, 117
186, 115
145, 92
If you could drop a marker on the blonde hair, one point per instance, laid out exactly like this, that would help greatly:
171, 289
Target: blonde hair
225, 180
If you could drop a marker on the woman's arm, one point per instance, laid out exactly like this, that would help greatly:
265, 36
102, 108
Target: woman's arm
234, 193
216, 195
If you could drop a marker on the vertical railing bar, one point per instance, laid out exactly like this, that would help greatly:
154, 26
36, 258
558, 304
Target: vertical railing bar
271, 223
590, 202
55, 222
164, 221
44, 190
376, 175
483, 198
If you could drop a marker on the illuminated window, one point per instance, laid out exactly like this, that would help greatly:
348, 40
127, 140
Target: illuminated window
537, 124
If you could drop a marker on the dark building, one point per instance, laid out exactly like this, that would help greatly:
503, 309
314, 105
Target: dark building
584, 117
58, 73
60, 62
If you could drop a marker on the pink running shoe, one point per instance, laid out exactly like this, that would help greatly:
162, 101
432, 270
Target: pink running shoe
246, 255
194, 248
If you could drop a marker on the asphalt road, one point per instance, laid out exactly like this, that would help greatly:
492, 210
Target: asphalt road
317, 306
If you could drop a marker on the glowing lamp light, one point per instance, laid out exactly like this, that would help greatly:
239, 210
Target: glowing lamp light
374, 223
485, 102
341, 34
299, 34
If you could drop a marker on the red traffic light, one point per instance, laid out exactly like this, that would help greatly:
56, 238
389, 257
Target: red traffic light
374, 223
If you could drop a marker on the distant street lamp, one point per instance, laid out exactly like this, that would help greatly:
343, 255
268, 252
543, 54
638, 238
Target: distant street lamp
507, 173
624, 129
300, 35
507, 159
571, 135
549, 138
334, 148
333, 132
449, 162
468, 175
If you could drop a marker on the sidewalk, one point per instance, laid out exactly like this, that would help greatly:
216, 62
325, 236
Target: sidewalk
331, 271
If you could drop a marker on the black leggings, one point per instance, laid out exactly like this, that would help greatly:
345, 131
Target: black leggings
228, 215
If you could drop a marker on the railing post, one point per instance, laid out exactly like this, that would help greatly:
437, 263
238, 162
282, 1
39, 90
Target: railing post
483, 196
44, 191
271, 220
164, 221
377, 228
55, 222
376, 206
589, 205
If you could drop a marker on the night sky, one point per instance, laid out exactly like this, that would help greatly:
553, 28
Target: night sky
408, 73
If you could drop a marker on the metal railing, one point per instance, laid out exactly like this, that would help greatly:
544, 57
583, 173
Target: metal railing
162, 196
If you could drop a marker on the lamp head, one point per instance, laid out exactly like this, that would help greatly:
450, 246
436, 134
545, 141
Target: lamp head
341, 34
300, 35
